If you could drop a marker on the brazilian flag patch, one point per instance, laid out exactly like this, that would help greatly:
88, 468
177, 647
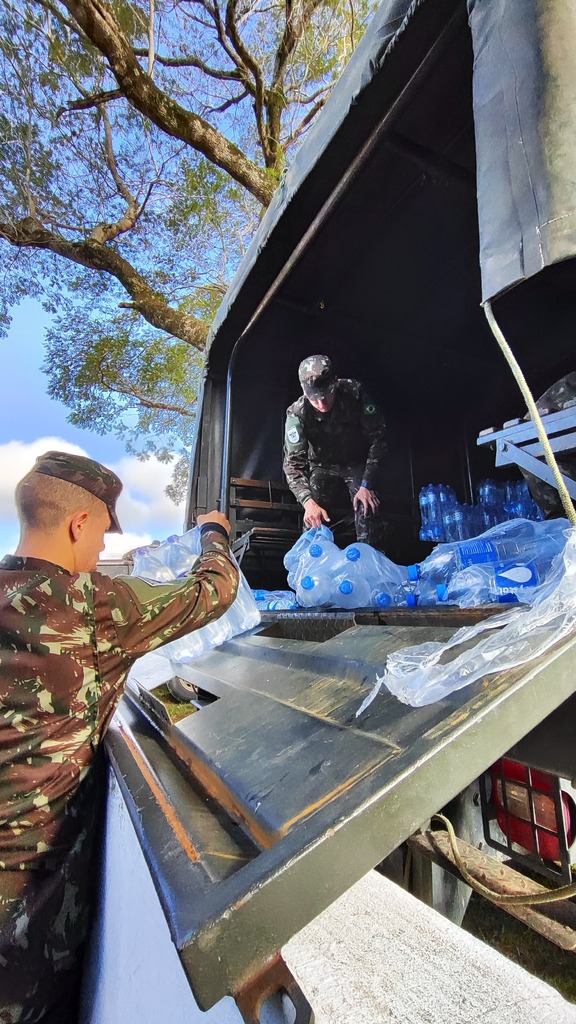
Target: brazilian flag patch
369, 408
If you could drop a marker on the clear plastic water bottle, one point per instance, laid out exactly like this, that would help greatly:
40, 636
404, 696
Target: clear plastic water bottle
293, 556
428, 513
519, 539
501, 583
192, 540
350, 593
275, 600
454, 527
314, 591
364, 562
177, 556
149, 568
322, 556
434, 501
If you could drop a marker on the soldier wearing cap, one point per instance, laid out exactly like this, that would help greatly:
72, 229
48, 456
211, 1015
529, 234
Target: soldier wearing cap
334, 432
68, 636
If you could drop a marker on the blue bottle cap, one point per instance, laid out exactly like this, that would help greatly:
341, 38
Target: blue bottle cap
441, 591
307, 583
315, 550
172, 538
259, 595
411, 600
383, 600
352, 554
413, 574
346, 587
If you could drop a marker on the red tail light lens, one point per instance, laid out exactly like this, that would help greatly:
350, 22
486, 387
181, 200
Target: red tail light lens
526, 809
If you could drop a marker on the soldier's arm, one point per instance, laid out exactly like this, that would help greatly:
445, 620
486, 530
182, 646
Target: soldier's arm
374, 429
147, 615
296, 465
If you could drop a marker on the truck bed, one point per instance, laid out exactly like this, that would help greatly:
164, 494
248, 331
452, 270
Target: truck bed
258, 810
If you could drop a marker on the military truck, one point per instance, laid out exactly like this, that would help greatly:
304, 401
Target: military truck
438, 177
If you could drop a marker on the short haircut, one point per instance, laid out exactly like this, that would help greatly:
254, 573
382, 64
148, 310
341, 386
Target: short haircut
43, 502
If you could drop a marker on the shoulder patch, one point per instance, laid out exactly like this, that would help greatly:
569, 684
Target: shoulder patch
293, 435
369, 408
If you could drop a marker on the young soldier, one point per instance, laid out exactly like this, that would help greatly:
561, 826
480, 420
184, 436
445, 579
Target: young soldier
334, 432
68, 636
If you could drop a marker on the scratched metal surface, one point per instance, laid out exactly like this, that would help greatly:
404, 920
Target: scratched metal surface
257, 811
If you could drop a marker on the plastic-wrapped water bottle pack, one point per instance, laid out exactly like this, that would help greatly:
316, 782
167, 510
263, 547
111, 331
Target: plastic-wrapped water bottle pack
173, 560
508, 563
325, 576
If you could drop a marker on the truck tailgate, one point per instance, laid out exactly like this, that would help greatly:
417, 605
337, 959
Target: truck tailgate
258, 810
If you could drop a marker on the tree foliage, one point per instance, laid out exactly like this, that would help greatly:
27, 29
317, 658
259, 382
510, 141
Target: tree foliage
139, 142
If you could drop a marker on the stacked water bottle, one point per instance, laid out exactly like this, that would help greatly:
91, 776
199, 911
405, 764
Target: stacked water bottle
325, 576
444, 518
173, 560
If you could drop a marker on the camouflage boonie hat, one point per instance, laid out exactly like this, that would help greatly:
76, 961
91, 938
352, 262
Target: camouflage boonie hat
317, 377
85, 473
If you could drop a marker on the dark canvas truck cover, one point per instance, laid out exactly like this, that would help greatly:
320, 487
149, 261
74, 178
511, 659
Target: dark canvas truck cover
447, 116
369, 252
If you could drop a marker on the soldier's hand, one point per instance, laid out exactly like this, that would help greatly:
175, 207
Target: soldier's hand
367, 499
314, 514
214, 517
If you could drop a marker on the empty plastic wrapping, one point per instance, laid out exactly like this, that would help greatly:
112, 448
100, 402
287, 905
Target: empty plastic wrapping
416, 675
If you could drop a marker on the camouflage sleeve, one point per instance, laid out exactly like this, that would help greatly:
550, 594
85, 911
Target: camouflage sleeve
148, 615
374, 429
296, 466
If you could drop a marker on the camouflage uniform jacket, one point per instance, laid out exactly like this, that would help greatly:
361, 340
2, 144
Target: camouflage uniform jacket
66, 645
352, 433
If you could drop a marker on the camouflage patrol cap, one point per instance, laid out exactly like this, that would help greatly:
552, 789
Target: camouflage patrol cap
85, 473
317, 377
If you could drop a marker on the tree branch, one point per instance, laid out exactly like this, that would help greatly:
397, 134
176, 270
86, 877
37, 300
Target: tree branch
250, 62
30, 233
108, 232
295, 135
96, 100
148, 403
102, 28
229, 103
190, 62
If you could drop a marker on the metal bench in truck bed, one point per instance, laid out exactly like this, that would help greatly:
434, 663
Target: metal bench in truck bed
258, 809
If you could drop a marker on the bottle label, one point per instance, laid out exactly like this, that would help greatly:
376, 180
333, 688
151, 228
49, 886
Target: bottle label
474, 552
510, 576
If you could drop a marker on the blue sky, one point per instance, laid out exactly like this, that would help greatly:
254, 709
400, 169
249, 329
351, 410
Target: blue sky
31, 423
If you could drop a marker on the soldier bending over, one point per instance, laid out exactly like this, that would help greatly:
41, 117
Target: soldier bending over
334, 432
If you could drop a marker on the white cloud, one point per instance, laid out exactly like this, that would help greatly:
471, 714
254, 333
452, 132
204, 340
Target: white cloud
143, 509
143, 500
17, 459
118, 544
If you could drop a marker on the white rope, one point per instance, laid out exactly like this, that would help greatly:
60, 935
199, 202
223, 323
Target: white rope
534, 414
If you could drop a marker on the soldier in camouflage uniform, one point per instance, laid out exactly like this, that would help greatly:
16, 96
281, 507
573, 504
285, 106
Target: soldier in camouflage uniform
334, 432
69, 635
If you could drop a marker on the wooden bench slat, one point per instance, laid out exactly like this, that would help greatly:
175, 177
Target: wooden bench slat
276, 485
277, 505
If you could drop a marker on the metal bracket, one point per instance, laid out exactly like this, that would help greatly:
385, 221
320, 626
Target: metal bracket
241, 545
517, 443
507, 453
274, 997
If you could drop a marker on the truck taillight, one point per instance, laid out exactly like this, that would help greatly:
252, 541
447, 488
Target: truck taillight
533, 810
